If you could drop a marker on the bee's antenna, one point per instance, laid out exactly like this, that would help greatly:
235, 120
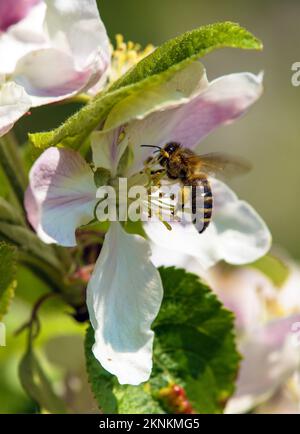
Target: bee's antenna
151, 146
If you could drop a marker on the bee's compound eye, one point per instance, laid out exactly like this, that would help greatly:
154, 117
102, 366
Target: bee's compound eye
171, 147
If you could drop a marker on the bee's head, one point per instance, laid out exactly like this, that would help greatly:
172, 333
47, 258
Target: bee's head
167, 151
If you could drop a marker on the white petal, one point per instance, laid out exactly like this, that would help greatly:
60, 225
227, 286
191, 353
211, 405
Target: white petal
236, 234
223, 101
244, 291
75, 27
177, 90
12, 13
289, 294
48, 75
107, 150
61, 195
68, 52
243, 236
186, 240
124, 297
14, 103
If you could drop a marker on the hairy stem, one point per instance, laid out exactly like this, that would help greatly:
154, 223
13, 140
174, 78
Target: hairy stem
12, 166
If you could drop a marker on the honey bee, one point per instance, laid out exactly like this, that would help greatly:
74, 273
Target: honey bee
192, 170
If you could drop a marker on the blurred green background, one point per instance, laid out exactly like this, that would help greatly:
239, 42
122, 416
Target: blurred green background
268, 136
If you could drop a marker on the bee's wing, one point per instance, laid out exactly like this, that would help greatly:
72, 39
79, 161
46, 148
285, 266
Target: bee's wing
219, 165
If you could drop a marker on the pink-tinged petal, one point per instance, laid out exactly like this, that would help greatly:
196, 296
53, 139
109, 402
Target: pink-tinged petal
270, 356
242, 291
289, 294
22, 38
186, 240
225, 99
108, 149
285, 401
48, 75
75, 27
11, 12
123, 298
59, 49
61, 195
14, 103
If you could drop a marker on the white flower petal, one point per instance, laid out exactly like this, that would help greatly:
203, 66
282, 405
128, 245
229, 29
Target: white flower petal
61, 195
186, 240
25, 36
48, 75
123, 298
179, 89
243, 236
77, 56
59, 49
270, 356
289, 294
223, 101
107, 151
242, 291
13, 12
14, 103
75, 27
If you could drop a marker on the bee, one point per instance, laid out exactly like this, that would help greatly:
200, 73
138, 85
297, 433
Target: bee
192, 170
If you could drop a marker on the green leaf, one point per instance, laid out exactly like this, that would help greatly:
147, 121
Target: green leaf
191, 45
154, 70
28, 242
37, 385
194, 348
274, 268
8, 258
111, 397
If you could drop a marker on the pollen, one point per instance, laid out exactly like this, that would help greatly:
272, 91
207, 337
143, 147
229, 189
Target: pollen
125, 55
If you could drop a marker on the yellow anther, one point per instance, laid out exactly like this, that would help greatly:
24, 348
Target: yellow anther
125, 56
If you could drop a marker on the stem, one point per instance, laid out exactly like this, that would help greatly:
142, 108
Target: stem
12, 166
34, 314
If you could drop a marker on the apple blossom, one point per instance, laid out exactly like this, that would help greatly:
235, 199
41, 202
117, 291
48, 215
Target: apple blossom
53, 49
125, 291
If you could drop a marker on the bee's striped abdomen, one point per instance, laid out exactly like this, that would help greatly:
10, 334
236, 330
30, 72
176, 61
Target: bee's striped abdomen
202, 206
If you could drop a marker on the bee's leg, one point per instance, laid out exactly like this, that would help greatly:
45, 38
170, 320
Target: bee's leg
157, 176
